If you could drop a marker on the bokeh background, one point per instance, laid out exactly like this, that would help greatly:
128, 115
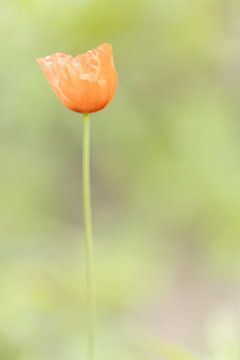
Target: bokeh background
165, 183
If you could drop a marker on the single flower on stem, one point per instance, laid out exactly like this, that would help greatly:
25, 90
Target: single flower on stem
85, 84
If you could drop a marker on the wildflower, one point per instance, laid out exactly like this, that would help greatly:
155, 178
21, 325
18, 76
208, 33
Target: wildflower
85, 83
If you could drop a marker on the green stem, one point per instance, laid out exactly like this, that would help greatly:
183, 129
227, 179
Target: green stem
87, 213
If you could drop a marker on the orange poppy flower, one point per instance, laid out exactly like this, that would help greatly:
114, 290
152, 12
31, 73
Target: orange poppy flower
85, 83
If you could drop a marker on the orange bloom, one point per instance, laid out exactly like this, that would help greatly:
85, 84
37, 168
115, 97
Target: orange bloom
85, 83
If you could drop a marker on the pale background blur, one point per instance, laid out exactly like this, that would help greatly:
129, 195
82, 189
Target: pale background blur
166, 181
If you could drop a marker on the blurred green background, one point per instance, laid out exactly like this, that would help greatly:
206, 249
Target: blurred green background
165, 182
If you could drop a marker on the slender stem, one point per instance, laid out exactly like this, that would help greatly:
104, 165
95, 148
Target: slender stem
91, 309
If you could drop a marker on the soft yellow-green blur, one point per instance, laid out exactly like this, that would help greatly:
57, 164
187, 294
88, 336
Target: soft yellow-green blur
165, 183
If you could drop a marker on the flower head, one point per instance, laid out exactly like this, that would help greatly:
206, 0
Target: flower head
85, 83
